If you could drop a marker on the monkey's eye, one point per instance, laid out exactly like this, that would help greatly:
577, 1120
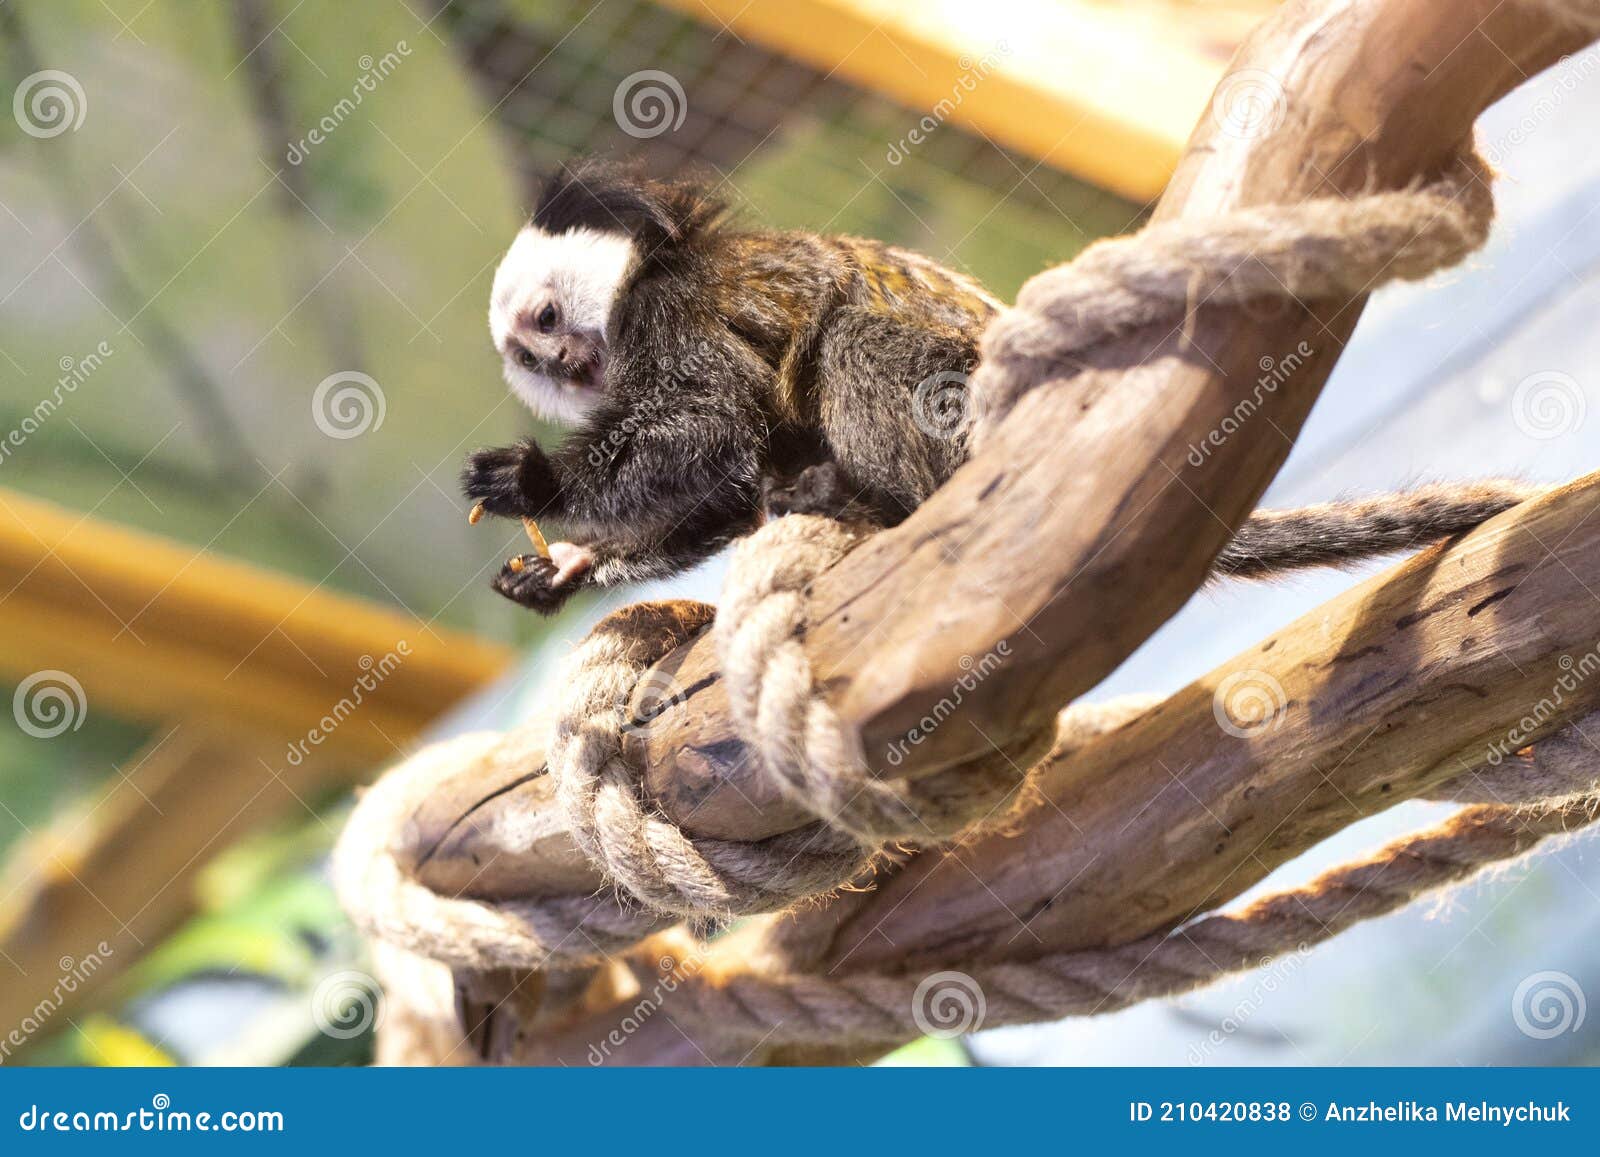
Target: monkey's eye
546, 321
525, 358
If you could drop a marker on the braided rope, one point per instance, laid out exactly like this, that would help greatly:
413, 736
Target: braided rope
656, 872
1316, 249
386, 903
806, 1008
814, 759
649, 858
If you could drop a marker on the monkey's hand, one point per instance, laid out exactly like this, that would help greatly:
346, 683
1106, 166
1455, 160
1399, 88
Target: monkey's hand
511, 481
545, 584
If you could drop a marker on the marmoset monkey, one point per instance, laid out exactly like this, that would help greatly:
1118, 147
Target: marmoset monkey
714, 375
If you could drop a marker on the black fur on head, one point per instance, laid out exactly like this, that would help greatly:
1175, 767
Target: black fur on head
617, 198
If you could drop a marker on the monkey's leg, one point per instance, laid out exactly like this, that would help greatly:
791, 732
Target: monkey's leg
1335, 533
893, 403
823, 489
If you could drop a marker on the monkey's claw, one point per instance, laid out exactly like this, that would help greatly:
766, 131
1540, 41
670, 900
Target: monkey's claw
495, 480
532, 584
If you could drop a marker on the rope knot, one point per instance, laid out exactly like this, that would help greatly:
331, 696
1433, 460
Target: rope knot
814, 758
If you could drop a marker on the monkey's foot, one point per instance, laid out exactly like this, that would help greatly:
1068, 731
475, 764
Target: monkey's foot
821, 489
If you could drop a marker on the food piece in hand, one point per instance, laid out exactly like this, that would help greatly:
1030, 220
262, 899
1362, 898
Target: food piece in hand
536, 537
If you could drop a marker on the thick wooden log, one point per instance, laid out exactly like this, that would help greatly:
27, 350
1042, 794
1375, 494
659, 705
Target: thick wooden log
1460, 655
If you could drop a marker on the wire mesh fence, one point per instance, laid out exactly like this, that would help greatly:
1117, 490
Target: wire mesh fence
794, 146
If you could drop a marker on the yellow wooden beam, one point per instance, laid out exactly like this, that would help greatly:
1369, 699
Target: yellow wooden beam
1106, 92
87, 895
154, 629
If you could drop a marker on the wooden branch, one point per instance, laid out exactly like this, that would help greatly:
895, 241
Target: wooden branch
1083, 526
1413, 677
1409, 679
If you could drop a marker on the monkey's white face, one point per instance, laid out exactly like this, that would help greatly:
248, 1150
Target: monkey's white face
548, 311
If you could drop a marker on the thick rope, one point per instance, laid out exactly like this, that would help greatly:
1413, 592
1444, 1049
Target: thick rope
1321, 248
1317, 249
809, 753
806, 1008
650, 859
656, 873
389, 905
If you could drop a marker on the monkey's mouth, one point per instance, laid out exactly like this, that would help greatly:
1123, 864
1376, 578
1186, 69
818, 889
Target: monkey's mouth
588, 375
